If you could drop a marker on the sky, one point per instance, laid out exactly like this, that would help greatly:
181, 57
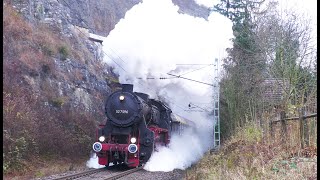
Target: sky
302, 6
306, 7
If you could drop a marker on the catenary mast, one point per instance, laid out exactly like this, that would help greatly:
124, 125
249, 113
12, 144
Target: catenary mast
216, 105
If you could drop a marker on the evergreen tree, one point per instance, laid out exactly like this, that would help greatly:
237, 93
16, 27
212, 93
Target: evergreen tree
243, 66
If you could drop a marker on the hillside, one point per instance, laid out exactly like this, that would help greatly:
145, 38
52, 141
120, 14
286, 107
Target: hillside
54, 88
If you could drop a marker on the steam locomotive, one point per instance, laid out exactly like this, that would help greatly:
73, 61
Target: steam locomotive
136, 126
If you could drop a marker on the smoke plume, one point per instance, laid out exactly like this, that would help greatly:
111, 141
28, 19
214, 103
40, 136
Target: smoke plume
93, 162
155, 39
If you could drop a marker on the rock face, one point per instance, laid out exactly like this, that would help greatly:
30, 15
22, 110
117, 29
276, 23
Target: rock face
98, 16
192, 8
81, 79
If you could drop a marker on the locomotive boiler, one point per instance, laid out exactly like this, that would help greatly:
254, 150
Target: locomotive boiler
136, 125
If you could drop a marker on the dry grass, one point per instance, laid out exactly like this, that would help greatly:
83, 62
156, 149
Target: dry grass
43, 168
35, 45
26, 45
242, 158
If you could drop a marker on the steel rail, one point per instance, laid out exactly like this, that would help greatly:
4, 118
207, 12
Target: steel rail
89, 172
121, 174
78, 175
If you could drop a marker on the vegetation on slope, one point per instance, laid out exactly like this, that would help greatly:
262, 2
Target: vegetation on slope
40, 120
247, 156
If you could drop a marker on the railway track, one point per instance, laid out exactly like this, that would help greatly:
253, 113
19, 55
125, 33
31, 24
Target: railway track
89, 172
124, 173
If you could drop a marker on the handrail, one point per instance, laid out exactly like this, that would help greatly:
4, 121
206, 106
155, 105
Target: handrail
295, 118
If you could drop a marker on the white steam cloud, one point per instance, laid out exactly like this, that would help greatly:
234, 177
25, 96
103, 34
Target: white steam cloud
149, 43
93, 162
182, 152
163, 159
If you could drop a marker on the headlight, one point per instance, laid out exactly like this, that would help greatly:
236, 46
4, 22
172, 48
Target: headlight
97, 147
133, 140
121, 98
132, 148
102, 138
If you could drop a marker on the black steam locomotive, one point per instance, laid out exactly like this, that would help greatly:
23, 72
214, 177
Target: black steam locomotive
136, 125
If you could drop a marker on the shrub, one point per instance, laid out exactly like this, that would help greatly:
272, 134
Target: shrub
253, 133
111, 79
58, 102
19, 129
64, 52
250, 133
47, 50
46, 68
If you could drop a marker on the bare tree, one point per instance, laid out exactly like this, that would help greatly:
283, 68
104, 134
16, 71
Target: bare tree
286, 42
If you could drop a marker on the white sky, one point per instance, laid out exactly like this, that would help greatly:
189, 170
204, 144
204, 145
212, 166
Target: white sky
309, 6
306, 7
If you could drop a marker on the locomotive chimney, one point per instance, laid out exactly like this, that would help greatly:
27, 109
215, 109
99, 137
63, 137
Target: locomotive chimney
127, 87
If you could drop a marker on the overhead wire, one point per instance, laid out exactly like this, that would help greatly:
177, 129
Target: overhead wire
117, 55
207, 65
190, 79
195, 70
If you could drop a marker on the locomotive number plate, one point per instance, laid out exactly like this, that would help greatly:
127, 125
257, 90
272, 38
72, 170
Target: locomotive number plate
120, 111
